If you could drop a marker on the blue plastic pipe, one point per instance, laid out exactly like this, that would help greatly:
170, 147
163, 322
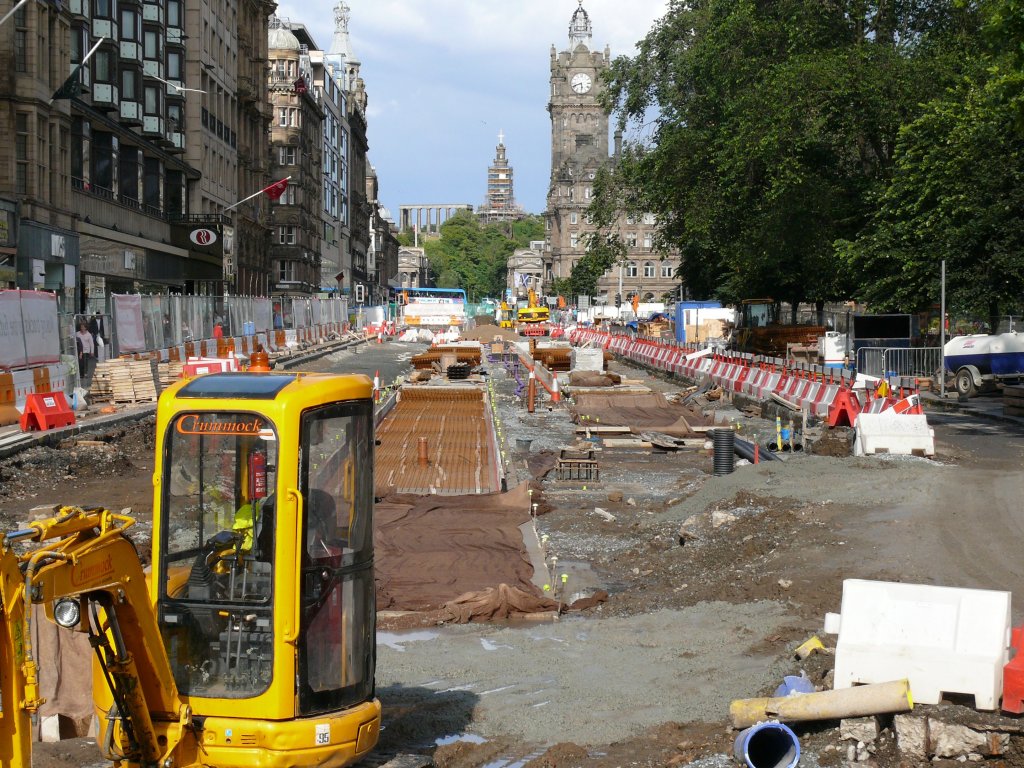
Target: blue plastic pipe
767, 745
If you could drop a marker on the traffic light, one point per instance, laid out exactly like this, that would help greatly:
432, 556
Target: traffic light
618, 299
360, 293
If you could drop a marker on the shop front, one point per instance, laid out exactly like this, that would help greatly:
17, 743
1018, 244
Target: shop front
48, 260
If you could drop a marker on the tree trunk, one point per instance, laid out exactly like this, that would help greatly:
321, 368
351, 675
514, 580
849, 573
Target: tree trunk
993, 316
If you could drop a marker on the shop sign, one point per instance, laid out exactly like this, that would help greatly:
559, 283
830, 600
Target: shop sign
203, 236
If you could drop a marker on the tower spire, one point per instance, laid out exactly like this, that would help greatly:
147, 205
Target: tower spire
580, 30
341, 43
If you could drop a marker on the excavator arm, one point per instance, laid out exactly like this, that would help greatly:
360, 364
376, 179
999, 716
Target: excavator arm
89, 577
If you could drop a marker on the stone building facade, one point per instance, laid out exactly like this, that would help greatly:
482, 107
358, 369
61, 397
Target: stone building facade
382, 255
296, 136
413, 268
119, 178
142, 172
579, 147
329, 83
526, 268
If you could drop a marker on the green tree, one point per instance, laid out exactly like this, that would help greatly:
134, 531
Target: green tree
474, 256
957, 195
765, 129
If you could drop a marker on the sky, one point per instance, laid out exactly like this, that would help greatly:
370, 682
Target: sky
444, 76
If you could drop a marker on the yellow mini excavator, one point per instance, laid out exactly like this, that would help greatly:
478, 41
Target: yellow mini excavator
250, 639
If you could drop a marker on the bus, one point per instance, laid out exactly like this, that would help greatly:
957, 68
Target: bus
432, 307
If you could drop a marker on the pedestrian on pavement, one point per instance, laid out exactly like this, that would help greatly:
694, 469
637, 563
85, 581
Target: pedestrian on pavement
96, 328
86, 350
218, 330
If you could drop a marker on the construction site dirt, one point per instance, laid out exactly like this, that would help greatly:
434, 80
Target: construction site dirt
711, 582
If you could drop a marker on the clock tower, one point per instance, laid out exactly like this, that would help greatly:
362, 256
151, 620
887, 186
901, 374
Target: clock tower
579, 127
579, 141
579, 147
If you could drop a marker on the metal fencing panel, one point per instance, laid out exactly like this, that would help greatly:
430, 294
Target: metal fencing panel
918, 362
871, 361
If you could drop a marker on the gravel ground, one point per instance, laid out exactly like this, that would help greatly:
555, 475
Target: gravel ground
527, 683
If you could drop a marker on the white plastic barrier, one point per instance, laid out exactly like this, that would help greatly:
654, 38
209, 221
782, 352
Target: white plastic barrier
942, 639
891, 432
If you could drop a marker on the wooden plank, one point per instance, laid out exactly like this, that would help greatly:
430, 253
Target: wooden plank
602, 429
619, 442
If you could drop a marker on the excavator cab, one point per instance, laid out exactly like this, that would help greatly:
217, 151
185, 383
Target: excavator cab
250, 640
262, 575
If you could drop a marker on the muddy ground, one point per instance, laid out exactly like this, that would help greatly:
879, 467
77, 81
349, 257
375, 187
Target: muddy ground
712, 581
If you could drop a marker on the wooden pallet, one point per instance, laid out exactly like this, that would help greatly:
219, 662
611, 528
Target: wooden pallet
123, 381
1013, 400
169, 372
577, 465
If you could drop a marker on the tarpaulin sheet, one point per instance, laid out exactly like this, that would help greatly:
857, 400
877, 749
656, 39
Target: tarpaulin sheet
640, 412
501, 602
432, 549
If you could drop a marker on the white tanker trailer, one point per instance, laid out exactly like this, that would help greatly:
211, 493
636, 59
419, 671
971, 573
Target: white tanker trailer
983, 359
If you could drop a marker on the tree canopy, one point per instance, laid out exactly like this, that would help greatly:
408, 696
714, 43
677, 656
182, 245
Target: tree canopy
957, 190
793, 149
474, 256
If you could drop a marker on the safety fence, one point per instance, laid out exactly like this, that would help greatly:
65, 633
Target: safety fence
39, 353
903, 362
799, 386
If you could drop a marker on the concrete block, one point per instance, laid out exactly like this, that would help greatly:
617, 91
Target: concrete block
921, 738
911, 736
49, 728
864, 729
890, 432
953, 740
943, 639
584, 359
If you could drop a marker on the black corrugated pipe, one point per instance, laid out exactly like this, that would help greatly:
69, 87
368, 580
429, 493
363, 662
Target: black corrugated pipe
745, 450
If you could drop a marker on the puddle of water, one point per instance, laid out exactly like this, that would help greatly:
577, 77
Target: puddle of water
396, 640
470, 738
455, 688
490, 646
497, 690
514, 762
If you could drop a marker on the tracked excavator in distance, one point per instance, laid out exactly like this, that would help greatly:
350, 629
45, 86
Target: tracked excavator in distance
532, 320
250, 639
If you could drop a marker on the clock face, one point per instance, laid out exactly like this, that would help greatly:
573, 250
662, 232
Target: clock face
581, 82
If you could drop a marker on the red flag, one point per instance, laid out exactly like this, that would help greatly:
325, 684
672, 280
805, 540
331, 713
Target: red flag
275, 190
300, 85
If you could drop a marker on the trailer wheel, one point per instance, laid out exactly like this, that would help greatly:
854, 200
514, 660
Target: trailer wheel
965, 383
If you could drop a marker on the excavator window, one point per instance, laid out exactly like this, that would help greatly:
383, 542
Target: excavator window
218, 563
336, 648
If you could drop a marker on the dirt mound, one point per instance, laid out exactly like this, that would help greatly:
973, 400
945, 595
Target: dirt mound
79, 471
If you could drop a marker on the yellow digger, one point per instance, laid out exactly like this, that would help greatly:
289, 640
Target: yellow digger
250, 639
507, 316
533, 319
